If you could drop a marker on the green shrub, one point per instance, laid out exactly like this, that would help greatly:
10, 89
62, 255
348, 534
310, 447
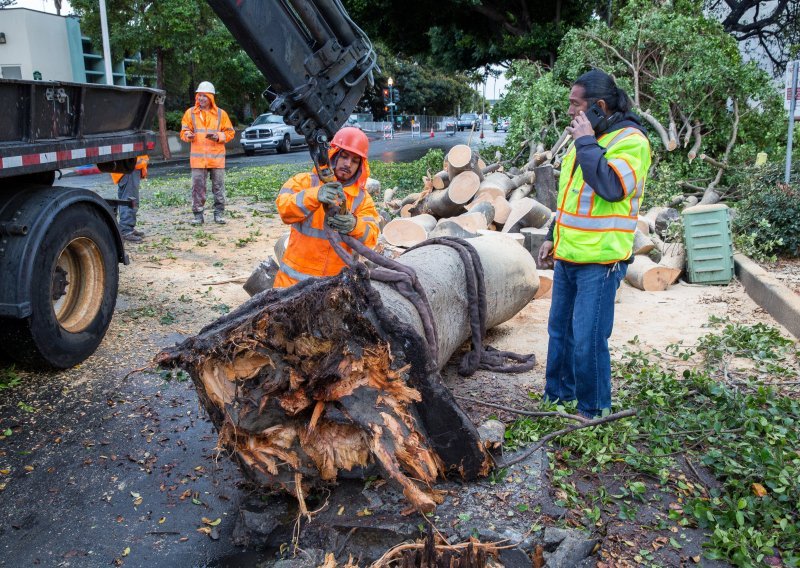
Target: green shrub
174, 118
406, 177
767, 219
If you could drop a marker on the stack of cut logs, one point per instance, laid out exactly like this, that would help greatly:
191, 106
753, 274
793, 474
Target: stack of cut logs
467, 198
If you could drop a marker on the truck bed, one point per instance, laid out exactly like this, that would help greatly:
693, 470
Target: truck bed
52, 125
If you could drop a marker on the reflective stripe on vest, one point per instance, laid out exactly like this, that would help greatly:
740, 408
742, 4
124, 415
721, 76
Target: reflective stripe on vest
298, 200
295, 274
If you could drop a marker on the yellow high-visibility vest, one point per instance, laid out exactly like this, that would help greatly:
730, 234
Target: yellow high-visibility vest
588, 228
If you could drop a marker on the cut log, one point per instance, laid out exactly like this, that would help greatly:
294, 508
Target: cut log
527, 212
520, 192
450, 202
335, 376
405, 210
262, 278
388, 195
408, 231
673, 255
502, 209
490, 193
484, 208
662, 218
461, 158
545, 284
645, 225
545, 186
440, 180
472, 222
646, 275
642, 244
449, 228
534, 238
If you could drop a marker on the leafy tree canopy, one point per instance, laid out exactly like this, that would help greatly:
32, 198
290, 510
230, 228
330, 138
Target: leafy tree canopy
686, 78
468, 34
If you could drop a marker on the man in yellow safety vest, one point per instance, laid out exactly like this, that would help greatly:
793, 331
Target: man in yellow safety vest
591, 239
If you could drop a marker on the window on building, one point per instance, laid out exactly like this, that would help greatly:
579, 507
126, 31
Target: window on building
11, 72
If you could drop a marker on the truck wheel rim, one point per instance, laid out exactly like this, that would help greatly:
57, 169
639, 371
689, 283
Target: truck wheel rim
80, 301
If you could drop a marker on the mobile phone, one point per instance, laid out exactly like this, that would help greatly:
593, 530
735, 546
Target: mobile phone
597, 118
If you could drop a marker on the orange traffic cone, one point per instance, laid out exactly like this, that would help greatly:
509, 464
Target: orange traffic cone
431, 131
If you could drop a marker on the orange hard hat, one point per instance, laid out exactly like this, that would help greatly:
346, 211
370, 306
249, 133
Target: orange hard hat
353, 140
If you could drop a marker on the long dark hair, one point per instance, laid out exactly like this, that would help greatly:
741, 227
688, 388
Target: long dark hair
600, 85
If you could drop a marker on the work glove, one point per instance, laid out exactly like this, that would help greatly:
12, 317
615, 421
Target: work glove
331, 193
343, 223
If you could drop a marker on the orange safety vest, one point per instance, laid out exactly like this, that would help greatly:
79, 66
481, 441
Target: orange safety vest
207, 153
308, 252
141, 165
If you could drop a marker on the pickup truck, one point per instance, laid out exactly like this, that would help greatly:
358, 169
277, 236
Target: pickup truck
270, 132
468, 121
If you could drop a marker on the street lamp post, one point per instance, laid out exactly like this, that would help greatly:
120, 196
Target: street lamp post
391, 106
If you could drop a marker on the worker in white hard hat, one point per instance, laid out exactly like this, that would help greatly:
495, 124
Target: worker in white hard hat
208, 128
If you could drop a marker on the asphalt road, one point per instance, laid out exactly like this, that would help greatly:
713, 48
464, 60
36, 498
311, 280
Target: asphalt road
403, 148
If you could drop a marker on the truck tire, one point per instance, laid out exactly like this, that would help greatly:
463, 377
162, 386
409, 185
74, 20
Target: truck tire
69, 316
285, 145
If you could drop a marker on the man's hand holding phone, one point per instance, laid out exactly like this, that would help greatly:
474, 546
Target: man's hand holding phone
580, 126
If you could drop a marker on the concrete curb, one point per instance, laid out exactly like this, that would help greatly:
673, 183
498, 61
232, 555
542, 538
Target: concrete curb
768, 292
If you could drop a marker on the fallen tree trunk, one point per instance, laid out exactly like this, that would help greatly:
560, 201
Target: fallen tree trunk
335, 377
646, 275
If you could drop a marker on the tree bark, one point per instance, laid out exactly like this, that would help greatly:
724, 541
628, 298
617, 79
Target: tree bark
162, 118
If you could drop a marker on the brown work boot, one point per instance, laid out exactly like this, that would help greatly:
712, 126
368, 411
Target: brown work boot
198, 219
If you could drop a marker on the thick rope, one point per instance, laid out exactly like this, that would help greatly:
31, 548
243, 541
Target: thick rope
404, 278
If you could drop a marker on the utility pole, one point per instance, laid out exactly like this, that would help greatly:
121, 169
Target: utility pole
391, 106
792, 105
106, 48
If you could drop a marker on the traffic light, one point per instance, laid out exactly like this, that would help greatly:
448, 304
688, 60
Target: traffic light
386, 100
396, 94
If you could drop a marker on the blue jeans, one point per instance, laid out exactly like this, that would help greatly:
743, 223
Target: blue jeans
581, 320
128, 188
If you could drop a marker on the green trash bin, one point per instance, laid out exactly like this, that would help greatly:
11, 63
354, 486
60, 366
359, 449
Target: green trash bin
709, 245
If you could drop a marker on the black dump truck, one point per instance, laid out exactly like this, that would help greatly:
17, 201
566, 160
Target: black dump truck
60, 247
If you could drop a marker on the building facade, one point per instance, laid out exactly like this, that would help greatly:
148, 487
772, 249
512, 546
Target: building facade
39, 45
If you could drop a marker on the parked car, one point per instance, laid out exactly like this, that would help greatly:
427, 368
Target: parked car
468, 121
269, 132
501, 124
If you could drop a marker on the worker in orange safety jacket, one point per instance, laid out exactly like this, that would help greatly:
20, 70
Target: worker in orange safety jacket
301, 203
208, 128
128, 190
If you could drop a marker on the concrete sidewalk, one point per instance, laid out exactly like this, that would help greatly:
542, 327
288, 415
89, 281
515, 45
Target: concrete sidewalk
769, 293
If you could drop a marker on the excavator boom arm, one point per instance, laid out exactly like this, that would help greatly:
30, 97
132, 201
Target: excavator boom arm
317, 61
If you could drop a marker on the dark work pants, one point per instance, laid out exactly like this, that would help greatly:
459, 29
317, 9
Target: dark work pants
128, 188
581, 321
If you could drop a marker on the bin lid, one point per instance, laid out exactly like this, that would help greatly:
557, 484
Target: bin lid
703, 208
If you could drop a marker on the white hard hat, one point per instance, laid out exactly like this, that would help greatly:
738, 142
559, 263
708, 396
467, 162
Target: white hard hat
206, 87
